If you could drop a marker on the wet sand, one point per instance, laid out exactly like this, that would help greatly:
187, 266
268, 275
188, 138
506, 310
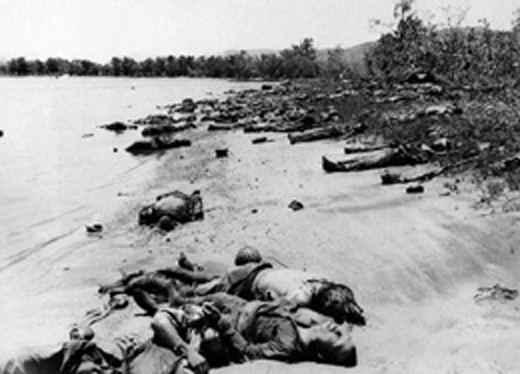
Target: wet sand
414, 261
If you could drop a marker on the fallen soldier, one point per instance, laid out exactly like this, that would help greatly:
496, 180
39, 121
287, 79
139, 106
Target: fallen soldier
172, 208
387, 157
78, 355
83, 354
254, 279
251, 279
239, 330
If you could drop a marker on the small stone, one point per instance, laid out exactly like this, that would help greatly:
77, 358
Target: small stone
296, 205
415, 189
263, 139
93, 228
221, 152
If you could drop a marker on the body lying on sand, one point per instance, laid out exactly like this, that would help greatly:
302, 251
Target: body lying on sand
200, 322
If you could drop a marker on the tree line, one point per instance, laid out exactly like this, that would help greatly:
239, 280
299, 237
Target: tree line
298, 61
456, 54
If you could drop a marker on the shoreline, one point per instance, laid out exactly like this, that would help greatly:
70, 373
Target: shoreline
414, 261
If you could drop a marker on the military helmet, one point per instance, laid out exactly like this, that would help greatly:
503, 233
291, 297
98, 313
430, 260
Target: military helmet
246, 255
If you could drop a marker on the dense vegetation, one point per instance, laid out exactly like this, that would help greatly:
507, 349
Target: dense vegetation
458, 55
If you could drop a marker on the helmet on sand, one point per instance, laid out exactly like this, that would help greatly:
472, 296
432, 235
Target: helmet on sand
246, 255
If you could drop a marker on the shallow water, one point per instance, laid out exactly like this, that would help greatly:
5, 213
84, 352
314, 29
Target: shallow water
58, 168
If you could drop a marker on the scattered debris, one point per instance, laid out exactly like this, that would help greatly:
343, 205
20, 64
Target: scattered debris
495, 293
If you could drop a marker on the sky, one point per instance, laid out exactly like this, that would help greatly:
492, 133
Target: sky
100, 29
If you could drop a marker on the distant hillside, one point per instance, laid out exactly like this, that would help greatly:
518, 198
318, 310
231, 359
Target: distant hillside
252, 52
353, 56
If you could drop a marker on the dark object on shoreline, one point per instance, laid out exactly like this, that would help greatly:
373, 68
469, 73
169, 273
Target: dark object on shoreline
361, 148
246, 255
420, 77
296, 205
223, 152
156, 144
118, 127
496, 293
1, 133
94, 228
418, 188
386, 157
155, 130
267, 87
260, 140
187, 106
175, 206
166, 224
264, 127
155, 119
315, 134
223, 126
388, 178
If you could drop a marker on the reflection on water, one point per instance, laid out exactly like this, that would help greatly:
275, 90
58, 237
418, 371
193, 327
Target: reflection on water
57, 166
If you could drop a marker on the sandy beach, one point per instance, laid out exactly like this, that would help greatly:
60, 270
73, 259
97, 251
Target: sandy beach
415, 262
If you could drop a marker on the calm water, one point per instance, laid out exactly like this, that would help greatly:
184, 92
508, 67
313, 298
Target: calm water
55, 163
